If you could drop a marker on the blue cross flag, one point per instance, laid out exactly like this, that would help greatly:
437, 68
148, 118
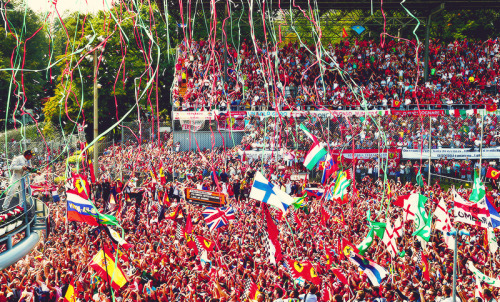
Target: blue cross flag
265, 191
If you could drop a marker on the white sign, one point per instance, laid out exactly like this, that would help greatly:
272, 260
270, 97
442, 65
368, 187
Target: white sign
194, 115
192, 125
260, 154
451, 153
299, 176
324, 113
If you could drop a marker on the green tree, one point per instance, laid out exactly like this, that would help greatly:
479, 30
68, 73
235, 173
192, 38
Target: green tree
23, 62
136, 55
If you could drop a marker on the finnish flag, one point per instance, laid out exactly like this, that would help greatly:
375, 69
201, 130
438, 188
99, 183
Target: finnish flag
265, 191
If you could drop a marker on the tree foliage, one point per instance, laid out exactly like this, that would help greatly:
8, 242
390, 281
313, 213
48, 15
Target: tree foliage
23, 69
135, 54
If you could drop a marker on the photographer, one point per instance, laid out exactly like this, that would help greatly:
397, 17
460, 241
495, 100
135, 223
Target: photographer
19, 164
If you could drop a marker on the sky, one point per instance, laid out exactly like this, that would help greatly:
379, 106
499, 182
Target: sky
84, 6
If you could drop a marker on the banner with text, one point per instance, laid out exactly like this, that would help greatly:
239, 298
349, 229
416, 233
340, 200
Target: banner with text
364, 154
489, 153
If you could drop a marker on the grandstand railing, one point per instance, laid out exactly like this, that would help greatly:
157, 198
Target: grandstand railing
331, 107
31, 218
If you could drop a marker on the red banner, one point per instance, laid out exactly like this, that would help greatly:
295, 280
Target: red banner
365, 154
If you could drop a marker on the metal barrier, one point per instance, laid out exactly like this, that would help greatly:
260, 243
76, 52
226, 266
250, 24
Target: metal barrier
346, 108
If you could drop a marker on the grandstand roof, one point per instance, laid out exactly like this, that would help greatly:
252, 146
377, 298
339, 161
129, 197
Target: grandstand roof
420, 5
367, 5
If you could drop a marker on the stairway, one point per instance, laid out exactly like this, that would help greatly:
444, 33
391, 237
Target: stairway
182, 90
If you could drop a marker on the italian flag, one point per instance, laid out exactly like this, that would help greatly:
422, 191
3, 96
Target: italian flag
462, 112
308, 133
315, 154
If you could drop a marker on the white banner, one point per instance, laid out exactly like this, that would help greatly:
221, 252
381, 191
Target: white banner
324, 114
194, 115
260, 154
192, 125
471, 213
489, 153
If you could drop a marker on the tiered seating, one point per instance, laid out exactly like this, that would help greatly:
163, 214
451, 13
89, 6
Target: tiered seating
11, 220
462, 74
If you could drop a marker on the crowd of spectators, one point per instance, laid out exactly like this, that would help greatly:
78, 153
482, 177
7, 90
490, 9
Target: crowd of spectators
161, 267
381, 132
462, 74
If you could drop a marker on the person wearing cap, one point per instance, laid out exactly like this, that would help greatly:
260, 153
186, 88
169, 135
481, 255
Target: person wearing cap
19, 164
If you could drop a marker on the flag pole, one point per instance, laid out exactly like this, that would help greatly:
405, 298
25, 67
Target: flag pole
430, 148
105, 261
481, 147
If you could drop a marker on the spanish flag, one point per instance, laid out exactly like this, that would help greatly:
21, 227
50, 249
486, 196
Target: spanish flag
163, 180
70, 295
104, 265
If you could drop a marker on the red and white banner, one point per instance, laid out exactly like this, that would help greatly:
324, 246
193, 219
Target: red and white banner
400, 113
233, 121
193, 115
472, 213
364, 154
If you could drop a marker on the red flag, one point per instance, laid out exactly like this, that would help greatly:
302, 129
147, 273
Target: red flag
297, 220
205, 243
491, 107
493, 173
339, 274
303, 269
324, 216
400, 201
425, 267
92, 175
347, 247
189, 225
396, 103
344, 33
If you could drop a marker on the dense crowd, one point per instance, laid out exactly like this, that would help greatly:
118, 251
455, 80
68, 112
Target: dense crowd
288, 77
161, 267
359, 133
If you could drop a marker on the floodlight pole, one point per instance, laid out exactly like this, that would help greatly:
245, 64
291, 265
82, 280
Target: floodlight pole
426, 56
224, 36
430, 149
96, 120
427, 34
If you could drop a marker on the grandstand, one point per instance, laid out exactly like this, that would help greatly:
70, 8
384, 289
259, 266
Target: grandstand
462, 75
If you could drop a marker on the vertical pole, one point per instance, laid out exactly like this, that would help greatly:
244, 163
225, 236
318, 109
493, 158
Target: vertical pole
481, 147
430, 149
224, 38
426, 58
455, 268
328, 129
96, 120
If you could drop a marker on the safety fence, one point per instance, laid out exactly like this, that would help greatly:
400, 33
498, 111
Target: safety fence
402, 137
46, 147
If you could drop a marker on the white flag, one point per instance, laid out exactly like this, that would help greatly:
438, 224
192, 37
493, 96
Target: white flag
390, 237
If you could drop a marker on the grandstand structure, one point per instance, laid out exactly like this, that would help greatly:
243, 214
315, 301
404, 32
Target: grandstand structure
21, 227
394, 94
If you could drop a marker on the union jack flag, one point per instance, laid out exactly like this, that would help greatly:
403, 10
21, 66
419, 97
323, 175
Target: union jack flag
218, 217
